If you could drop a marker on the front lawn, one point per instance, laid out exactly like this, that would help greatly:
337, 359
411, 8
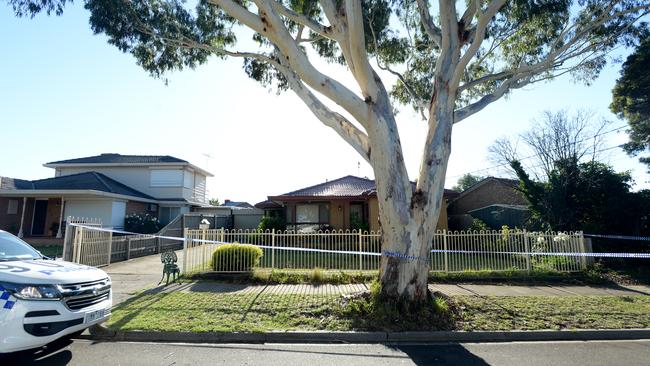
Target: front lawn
261, 312
552, 312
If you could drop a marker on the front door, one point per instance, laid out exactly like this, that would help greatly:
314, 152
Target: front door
40, 213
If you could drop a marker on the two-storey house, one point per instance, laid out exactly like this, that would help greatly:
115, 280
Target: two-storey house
107, 187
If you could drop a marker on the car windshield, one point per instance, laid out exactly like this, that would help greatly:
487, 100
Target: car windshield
13, 249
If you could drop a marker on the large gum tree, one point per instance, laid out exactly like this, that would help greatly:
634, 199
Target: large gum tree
450, 59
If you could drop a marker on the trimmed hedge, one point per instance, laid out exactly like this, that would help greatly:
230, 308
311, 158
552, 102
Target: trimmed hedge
236, 258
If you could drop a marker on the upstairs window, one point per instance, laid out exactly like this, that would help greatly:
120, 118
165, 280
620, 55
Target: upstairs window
166, 178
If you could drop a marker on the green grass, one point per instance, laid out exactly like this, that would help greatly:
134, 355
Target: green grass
261, 312
50, 250
548, 312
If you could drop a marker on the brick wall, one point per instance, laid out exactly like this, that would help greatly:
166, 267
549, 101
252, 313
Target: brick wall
10, 222
133, 207
489, 193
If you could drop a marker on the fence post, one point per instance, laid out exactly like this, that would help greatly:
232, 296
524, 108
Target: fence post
185, 251
76, 244
585, 246
222, 238
444, 241
110, 246
527, 249
128, 248
66, 238
360, 250
272, 249
158, 245
203, 247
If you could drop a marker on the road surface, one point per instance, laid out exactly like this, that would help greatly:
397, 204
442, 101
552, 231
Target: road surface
83, 352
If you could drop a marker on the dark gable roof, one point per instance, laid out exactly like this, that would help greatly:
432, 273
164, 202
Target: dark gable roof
348, 186
121, 159
237, 204
81, 181
268, 204
12, 183
343, 187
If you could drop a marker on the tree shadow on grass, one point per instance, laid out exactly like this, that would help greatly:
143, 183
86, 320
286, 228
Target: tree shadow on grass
440, 355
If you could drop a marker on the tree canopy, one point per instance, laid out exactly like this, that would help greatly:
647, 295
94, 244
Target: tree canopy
589, 196
553, 136
631, 99
466, 181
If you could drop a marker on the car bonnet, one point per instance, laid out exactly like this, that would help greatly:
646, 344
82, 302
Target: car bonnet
48, 272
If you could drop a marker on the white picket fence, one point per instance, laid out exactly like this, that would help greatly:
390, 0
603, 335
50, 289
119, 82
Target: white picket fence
361, 251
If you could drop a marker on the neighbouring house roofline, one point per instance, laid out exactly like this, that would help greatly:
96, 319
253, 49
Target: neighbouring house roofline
69, 192
117, 160
511, 182
514, 207
348, 187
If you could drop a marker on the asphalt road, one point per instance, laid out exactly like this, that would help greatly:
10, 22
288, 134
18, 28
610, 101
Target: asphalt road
81, 352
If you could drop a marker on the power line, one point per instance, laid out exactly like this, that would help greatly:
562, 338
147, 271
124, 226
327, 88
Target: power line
534, 155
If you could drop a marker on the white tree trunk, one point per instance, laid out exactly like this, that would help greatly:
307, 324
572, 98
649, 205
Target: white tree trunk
408, 214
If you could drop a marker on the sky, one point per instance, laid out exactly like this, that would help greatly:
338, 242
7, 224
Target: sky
66, 93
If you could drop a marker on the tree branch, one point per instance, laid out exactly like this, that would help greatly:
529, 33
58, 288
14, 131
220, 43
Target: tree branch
427, 22
479, 36
302, 19
269, 24
359, 57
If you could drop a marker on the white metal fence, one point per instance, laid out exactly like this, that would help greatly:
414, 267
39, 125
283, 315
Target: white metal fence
93, 245
360, 251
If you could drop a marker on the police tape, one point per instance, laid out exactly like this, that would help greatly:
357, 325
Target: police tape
384, 253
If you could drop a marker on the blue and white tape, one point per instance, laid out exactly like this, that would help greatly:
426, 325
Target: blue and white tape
384, 253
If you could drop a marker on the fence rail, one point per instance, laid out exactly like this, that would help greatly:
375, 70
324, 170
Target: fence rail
361, 251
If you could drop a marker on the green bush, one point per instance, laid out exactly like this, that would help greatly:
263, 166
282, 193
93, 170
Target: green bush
142, 224
236, 258
478, 225
270, 223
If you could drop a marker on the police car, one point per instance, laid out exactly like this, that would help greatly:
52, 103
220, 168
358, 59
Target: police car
42, 300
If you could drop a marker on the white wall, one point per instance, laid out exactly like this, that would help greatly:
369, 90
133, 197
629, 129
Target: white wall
139, 178
92, 208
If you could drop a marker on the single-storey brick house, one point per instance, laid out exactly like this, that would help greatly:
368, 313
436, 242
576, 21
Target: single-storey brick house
495, 201
340, 204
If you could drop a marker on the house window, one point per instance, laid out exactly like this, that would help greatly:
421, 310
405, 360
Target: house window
188, 180
12, 207
312, 214
167, 214
152, 207
307, 214
166, 178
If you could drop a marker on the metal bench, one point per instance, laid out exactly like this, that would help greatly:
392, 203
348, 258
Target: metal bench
169, 259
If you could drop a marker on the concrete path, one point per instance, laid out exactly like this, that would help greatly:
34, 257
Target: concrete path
135, 275
132, 276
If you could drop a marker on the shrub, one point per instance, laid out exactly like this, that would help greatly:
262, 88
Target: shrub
317, 276
478, 225
142, 224
270, 223
236, 257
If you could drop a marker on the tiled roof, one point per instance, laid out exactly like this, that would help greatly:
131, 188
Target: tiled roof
81, 181
343, 187
237, 204
121, 159
267, 204
348, 186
